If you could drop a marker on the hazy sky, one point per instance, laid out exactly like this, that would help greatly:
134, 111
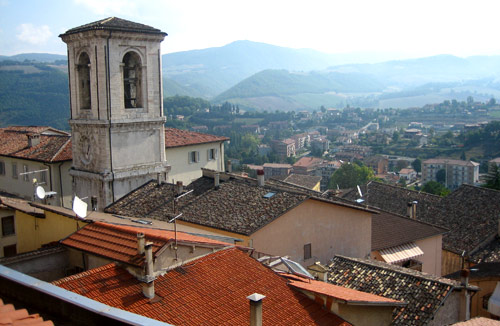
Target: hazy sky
401, 28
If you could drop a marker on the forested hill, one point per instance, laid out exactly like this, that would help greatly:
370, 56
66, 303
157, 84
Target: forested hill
33, 94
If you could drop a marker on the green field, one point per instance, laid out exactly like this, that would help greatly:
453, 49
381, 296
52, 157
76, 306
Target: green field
248, 121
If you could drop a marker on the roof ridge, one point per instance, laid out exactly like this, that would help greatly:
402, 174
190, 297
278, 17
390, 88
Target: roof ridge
85, 273
414, 220
407, 189
61, 148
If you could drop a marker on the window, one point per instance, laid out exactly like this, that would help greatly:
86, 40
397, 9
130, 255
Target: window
43, 176
25, 170
2, 168
14, 170
8, 226
132, 77
83, 68
307, 251
212, 154
9, 251
194, 157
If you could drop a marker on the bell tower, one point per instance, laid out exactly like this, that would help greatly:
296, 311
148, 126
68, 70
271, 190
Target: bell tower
116, 99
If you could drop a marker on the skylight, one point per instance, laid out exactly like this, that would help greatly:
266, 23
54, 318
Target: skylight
269, 195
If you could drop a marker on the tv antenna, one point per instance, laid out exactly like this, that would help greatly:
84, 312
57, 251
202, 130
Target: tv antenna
79, 207
360, 199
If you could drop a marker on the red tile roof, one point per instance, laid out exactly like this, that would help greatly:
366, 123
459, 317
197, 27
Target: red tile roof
177, 137
211, 290
342, 293
54, 146
119, 242
10, 316
308, 161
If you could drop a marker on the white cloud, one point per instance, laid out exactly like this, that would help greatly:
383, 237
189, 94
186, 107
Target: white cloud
109, 7
34, 34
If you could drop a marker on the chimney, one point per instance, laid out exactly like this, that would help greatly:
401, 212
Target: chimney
256, 309
412, 209
158, 178
148, 287
216, 180
260, 178
465, 298
140, 243
33, 140
229, 168
179, 187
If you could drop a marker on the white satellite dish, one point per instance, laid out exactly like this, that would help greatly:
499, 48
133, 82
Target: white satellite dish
79, 207
40, 192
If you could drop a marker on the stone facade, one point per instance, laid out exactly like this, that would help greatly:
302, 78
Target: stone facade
117, 117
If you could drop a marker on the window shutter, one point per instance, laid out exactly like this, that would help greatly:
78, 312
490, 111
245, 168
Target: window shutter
197, 156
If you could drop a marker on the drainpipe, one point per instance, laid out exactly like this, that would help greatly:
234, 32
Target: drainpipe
61, 194
216, 180
465, 298
256, 309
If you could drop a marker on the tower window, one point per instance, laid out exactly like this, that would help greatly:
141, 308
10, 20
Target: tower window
84, 81
132, 77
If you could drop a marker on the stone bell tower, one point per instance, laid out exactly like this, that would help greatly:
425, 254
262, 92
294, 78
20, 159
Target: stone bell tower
117, 121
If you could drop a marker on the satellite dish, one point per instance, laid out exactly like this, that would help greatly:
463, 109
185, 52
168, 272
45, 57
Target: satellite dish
40, 192
79, 207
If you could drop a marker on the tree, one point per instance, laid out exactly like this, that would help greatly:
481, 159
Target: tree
349, 175
417, 165
395, 136
401, 164
463, 157
433, 187
441, 176
493, 177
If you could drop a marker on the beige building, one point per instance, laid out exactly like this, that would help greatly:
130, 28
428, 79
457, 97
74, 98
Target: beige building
272, 217
457, 171
36, 156
284, 148
188, 152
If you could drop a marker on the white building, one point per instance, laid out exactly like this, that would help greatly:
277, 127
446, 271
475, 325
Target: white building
457, 171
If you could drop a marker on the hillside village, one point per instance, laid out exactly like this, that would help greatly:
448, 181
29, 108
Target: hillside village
247, 220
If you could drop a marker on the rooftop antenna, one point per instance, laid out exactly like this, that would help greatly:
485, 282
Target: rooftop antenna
360, 199
174, 219
79, 207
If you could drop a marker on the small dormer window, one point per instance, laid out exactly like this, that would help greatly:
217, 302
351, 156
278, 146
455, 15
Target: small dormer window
84, 81
132, 80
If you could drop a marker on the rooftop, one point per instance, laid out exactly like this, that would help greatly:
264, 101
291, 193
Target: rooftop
54, 145
119, 242
308, 161
450, 161
177, 137
277, 165
114, 24
481, 270
238, 205
424, 293
228, 276
9, 315
389, 230
307, 181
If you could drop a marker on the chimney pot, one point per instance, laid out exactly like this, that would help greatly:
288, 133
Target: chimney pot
180, 187
260, 178
256, 309
140, 243
229, 167
33, 140
216, 180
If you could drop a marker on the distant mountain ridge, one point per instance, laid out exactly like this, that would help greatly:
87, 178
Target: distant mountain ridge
267, 77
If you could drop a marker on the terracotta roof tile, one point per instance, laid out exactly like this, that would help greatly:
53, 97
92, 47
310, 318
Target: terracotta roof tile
303, 180
9, 315
54, 146
211, 290
424, 293
177, 137
343, 293
308, 161
478, 321
119, 242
